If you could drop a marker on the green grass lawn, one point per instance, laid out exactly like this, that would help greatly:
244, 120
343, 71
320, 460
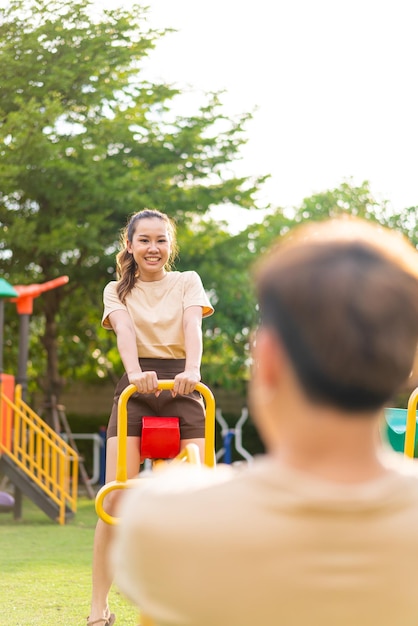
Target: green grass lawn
45, 570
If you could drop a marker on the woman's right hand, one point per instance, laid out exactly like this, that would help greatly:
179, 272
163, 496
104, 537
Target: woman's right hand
145, 382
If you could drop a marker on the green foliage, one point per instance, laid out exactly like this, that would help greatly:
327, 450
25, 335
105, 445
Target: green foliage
85, 141
225, 264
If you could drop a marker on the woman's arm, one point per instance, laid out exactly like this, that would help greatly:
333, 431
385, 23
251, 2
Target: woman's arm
185, 382
145, 382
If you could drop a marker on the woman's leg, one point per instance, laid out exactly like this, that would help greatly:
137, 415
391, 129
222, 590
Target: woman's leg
102, 576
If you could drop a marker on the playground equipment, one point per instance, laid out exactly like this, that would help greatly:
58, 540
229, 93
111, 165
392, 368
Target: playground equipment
6, 502
156, 443
38, 461
24, 304
232, 434
6, 291
33, 456
98, 446
6, 386
401, 427
60, 425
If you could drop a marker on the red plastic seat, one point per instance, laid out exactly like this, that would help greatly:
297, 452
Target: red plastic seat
160, 437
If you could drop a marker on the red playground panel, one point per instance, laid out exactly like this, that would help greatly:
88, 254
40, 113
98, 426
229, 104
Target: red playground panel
160, 437
7, 387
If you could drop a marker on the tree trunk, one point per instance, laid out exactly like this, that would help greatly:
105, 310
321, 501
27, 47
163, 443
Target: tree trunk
52, 382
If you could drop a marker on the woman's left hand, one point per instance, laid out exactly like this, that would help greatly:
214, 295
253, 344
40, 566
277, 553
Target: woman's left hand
185, 383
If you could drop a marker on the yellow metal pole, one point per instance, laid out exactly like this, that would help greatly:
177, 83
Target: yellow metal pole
411, 424
121, 465
189, 454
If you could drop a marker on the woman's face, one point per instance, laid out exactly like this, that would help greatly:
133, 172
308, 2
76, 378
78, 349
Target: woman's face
150, 247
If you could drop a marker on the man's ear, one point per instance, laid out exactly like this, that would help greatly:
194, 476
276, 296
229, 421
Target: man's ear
267, 357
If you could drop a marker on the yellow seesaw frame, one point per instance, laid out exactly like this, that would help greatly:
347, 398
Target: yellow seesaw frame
190, 454
411, 424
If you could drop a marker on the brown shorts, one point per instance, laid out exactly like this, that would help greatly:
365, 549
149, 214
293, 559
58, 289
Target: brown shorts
189, 409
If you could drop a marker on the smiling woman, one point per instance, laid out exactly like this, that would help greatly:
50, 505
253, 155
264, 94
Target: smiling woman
150, 248
156, 315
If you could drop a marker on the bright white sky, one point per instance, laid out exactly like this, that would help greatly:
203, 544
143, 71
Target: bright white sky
334, 82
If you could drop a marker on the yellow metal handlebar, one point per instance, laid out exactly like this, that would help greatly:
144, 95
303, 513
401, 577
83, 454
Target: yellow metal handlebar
190, 453
411, 424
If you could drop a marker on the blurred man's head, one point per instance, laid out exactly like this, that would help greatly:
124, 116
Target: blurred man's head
341, 299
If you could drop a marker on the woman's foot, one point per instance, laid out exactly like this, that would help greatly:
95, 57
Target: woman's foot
102, 621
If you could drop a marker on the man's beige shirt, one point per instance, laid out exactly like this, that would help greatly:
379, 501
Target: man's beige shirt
267, 547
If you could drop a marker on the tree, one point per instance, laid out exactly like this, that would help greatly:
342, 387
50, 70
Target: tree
358, 200
226, 268
85, 142
225, 264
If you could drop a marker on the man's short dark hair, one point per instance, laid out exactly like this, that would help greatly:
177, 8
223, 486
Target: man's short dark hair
345, 309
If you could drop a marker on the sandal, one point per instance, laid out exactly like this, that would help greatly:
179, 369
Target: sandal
108, 621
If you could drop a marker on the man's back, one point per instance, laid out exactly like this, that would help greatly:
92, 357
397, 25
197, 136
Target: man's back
274, 548
324, 531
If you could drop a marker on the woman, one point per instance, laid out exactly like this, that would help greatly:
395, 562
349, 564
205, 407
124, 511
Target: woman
156, 315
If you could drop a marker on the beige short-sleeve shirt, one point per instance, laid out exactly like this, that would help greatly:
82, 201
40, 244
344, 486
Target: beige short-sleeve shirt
156, 309
270, 546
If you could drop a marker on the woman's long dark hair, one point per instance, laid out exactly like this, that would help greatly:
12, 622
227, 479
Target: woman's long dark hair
126, 267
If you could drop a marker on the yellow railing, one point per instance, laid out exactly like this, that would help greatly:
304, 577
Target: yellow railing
42, 455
